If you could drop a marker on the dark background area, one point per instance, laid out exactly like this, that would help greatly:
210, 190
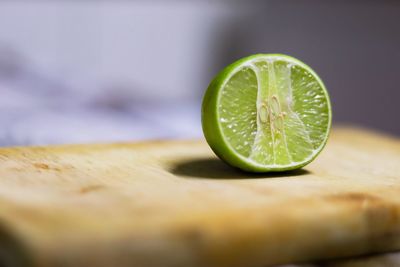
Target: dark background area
93, 71
353, 45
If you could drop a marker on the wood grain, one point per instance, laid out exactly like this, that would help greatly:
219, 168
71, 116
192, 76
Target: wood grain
173, 203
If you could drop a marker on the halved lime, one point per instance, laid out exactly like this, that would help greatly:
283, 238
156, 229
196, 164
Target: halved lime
267, 112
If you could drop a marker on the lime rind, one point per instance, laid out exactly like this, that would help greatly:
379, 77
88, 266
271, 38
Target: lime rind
266, 159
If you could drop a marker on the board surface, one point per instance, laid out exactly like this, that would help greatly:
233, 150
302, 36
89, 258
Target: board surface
173, 203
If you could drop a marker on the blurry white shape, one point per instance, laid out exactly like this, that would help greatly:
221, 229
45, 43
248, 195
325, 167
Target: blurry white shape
160, 50
94, 71
59, 126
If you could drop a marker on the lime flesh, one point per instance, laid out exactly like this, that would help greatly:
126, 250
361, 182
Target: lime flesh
267, 112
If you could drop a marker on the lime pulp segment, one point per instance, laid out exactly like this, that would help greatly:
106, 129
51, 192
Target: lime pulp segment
271, 112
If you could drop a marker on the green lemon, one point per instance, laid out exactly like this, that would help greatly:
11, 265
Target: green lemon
267, 112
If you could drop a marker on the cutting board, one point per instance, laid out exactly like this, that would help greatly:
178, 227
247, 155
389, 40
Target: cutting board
173, 203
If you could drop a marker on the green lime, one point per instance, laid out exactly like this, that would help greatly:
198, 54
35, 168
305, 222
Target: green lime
267, 112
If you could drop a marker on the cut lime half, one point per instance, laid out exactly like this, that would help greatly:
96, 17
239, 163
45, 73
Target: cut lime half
267, 112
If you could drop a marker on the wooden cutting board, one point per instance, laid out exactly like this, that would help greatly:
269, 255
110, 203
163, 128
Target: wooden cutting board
173, 203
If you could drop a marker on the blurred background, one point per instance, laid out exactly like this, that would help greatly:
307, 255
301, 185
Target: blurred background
100, 71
